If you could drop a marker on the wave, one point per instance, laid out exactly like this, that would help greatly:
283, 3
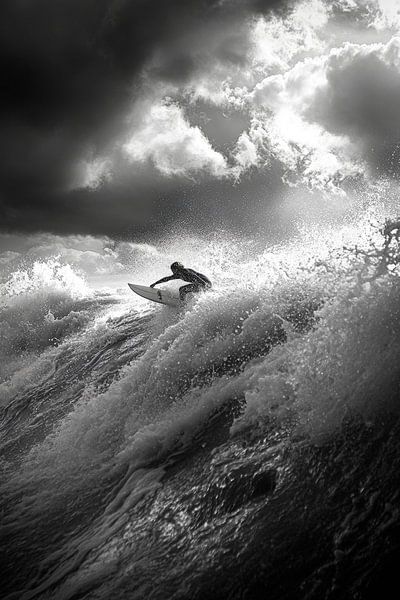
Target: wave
300, 348
289, 349
39, 307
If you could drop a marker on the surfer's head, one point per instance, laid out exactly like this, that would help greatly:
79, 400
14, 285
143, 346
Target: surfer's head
176, 267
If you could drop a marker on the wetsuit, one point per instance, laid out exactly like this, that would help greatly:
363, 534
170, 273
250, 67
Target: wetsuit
198, 281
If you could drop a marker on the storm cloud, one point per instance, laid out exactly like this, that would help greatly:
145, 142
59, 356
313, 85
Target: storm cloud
72, 72
125, 117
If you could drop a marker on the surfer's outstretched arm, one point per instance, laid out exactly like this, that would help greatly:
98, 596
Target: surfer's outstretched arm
164, 279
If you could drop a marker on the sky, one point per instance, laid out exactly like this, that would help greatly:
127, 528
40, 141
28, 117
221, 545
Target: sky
130, 118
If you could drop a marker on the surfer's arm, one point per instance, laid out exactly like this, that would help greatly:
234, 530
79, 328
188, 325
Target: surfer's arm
164, 279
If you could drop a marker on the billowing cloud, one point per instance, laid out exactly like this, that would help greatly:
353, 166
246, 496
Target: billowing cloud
246, 153
361, 99
302, 31
388, 15
122, 117
71, 71
331, 117
175, 148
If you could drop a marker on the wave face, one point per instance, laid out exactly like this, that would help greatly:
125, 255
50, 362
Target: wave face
245, 446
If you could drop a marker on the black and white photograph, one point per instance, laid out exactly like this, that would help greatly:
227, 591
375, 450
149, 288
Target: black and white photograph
199, 299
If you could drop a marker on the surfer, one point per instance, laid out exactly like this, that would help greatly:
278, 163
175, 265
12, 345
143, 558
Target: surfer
198, 281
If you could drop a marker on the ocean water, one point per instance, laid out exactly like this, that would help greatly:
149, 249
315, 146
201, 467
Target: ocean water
245, 446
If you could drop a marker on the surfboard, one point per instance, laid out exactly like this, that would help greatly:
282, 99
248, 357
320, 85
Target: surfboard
156, 295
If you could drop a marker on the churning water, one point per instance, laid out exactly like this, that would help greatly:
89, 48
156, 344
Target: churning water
244, 446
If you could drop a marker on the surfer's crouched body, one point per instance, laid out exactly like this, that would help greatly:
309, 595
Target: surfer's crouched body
197, 280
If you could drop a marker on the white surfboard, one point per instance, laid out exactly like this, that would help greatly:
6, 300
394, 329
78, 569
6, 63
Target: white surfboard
156, 295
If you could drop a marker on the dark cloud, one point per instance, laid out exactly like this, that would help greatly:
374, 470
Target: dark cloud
221, 128
362, 100
71, 70
147, 204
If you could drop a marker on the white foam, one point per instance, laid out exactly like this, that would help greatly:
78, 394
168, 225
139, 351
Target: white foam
316, 379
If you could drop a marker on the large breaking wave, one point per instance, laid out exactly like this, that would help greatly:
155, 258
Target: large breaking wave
197, 429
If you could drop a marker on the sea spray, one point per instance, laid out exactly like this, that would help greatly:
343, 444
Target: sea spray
253, 375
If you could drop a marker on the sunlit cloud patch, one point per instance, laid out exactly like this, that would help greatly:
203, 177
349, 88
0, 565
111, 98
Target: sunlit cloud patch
205, 98
291, 81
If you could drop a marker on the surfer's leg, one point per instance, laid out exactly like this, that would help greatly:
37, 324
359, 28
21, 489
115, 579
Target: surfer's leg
187, 289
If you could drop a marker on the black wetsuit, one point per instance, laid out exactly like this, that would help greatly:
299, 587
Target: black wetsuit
198, 281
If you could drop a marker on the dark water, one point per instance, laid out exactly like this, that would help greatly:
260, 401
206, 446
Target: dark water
245, 447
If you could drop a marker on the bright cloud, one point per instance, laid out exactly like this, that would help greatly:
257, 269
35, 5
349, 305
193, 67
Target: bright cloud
175, 147
316, 102
325, 117
96, 172
246, 153
276, 41
388, 14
